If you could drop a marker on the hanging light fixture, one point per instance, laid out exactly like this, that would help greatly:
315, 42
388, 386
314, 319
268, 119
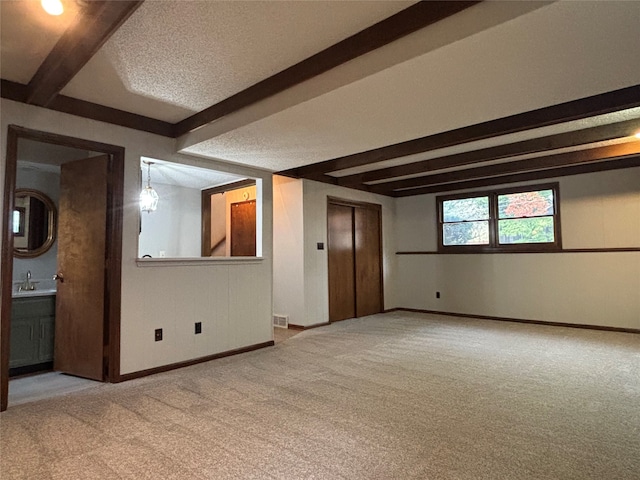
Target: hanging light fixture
148, 196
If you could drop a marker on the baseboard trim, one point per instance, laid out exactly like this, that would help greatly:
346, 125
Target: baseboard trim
307, 327
187, 363
519, 320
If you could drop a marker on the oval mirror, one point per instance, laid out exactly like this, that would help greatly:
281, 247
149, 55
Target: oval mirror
34, 223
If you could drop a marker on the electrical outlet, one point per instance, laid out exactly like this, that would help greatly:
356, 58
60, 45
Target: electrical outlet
198, 327
320, 246
158, 334
437, 294
162, 254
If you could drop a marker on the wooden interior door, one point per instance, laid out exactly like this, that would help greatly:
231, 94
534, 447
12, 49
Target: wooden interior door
243, 229
340, 241
368, 271
355, 259
80, 306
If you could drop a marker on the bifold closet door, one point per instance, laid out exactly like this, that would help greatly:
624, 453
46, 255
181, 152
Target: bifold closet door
342, 303
367, 261
355, 264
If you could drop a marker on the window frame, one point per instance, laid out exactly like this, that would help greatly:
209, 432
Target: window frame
493, 246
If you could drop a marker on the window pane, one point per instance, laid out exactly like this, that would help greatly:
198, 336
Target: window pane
465, 233
526, 204
465, 209
526, 230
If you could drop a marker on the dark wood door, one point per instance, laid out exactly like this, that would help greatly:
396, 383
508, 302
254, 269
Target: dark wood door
367, 261
342, 303
80, 322
243, 229
355, 260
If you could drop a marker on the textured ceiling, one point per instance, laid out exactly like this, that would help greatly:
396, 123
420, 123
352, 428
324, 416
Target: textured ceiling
561, 52
192, 54
495, 59
606, 119
186, 176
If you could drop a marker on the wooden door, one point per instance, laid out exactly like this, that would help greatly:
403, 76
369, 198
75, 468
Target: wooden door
243, 229
342, 303
355, 259
80, 321
367, 261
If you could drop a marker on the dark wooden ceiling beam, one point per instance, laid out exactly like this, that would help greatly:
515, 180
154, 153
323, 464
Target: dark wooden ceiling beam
601, 166
532, 164
73, 106
534, 145
409, 20
609, 102
96, 22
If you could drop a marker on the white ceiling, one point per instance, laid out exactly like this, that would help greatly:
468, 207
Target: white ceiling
186, 176
499, 58
560, 52
192, 54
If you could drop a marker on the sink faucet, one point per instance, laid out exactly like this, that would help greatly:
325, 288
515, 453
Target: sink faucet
27, 284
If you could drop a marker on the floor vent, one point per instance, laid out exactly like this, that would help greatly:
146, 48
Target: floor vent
281, 321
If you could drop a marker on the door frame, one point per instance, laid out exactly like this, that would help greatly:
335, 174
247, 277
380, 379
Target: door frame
357, 204
206, 194
113, 262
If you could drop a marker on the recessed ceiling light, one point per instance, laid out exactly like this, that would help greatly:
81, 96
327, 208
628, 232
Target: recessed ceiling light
52, 7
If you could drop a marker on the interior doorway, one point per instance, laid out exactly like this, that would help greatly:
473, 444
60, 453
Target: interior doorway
354, 243
229, 225
97, 256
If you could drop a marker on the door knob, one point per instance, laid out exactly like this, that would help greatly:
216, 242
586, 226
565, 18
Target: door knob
59, 277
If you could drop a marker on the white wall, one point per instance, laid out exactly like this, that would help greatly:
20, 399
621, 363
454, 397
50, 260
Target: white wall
301, 284
316, 285
598, 210
218, 225
175, 227
232, 299
288, 249
45, 265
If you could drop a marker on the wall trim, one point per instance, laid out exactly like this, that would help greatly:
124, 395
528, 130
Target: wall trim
564, 250
307, 327
188, 363
198, 261
518, 320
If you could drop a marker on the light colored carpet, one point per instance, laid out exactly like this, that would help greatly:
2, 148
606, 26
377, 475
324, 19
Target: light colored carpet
394, 396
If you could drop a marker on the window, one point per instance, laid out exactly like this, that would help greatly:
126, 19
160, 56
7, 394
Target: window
516, 219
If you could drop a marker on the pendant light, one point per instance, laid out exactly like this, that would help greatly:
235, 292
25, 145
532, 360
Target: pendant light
148, 196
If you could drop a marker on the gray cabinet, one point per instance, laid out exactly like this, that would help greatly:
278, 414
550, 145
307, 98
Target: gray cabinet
32, 330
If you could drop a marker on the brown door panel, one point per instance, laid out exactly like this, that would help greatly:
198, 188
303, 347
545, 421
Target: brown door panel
341, 259
80, 322
243, 229
367, 261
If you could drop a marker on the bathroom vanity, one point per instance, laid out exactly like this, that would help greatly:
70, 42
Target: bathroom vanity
32, 330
